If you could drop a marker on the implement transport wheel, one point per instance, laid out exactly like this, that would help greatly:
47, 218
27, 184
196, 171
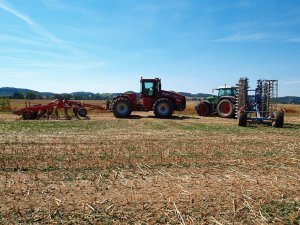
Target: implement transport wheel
203, 109
121, 107
82, 112
225, 108
278, 119
163, 108
242, 119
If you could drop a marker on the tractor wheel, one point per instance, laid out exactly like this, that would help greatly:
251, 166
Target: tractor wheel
225, 108
203, 109
82, 112
121, 107
163, 108
242, 119
278, 119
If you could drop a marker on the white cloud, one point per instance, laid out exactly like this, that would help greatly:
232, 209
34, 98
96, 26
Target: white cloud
240, 37
56, 4
293, 82
45, 39
34, 26
294, 40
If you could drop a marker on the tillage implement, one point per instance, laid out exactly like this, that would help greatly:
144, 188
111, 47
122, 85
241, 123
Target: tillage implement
259, 104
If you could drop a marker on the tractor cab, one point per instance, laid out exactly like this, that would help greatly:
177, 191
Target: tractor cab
222, 92
150, 88
226, 91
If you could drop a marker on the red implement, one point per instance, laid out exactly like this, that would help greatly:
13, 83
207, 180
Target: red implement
49, 110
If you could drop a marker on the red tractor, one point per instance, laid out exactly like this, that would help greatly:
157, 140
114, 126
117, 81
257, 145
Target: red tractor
162, 103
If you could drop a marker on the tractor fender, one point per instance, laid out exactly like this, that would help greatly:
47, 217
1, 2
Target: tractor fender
180, 106
170, 99
178, 100
121, 96
230, 98
131, 97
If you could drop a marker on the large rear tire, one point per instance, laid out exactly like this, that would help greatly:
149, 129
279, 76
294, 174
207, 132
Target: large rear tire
203, 109
278, 119
122, 107
225, 108
163, 108
242, 119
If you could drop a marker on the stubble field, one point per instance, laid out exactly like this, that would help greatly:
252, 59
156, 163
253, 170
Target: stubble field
143, 170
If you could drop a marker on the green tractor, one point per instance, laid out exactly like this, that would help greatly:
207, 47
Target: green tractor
223, 104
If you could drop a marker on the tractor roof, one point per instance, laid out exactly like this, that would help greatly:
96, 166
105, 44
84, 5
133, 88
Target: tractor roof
150, 80
225, 87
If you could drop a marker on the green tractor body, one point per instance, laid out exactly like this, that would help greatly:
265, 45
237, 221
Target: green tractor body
222, 104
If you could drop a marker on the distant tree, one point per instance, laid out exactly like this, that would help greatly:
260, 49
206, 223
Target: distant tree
58, 96
78, 97
18, 95
129, 92
67, 96
31, 95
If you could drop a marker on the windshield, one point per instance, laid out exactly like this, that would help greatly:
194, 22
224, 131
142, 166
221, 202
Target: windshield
150, 88
227, 92
147, 88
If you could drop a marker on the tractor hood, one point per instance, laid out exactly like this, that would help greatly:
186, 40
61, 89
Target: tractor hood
172, 94
178, 100
210, 98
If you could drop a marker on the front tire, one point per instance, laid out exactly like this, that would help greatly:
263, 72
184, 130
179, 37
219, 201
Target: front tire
225, 108
203, 109
122, 107
163, 108
82, 112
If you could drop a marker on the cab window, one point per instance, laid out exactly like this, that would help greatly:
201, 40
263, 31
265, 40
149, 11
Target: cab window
147, 88
222, 92
233, 92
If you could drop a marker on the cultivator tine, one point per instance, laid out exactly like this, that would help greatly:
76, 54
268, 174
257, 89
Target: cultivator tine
41, 114
67, 116
265, 108
56, 113
241, 94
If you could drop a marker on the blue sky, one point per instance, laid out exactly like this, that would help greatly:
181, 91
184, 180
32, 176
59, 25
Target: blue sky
107, 45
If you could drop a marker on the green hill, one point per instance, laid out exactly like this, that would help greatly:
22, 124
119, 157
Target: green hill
9, 92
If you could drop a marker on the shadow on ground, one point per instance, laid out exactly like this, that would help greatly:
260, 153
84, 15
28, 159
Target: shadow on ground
171, 118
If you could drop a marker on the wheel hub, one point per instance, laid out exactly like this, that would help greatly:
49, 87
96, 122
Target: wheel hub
122, 108
163, 109
225, 108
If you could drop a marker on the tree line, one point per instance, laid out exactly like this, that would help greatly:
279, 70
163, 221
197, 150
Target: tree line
32, 95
